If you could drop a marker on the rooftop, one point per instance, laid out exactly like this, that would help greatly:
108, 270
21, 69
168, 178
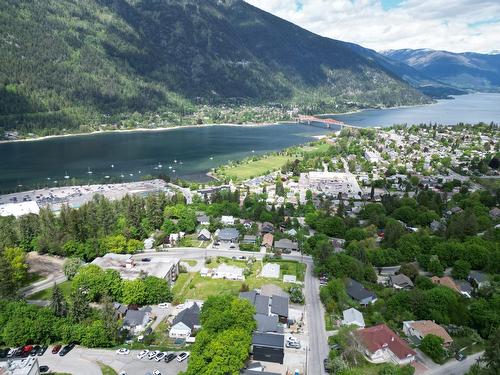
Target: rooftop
381, 336
426, 327
268, 339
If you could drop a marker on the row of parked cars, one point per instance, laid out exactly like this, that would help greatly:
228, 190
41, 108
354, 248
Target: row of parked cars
156, 355
34, 350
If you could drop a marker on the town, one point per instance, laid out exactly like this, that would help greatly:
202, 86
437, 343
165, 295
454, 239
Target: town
368, 251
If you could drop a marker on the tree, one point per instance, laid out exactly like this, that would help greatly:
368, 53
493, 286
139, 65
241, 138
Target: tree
134, 292
71, 267
157, 290
109, 319
410, 270
58, 303
19, 268
8, 287
296, 295
79, 307
461, 269
393, 232
432, 345
491, 357
435, 267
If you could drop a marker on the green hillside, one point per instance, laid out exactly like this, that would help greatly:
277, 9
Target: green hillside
70, 64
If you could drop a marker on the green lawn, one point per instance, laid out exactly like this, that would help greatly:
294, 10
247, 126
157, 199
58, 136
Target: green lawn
290, 267
106, 370
329, 322
32, 278
255, 168
191, 262
46, 294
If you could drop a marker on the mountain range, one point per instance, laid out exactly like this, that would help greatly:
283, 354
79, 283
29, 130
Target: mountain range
69, 64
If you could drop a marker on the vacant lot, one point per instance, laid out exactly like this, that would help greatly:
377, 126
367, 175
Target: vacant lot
290, 267
255, 168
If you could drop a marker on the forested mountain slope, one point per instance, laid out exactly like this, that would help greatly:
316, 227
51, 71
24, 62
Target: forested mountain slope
64, 63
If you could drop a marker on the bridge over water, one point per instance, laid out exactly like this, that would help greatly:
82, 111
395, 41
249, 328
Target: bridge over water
328, 123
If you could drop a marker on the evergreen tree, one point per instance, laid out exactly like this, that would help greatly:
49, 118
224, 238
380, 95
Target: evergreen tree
7, 283
109, 319
58, 303
79, 308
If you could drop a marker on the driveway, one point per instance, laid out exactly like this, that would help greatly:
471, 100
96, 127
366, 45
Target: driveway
81, 361
454, 367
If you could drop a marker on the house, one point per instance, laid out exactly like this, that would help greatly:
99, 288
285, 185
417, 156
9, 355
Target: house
120, 310
204, 235
465, 288
267, 240
262, 304
495, 213
268, 323
203, 220
421, 328
400, 281
358, 292
267, 228
249, 239
227, 220
227, 272
338, 244
286, 246
186, 322
271, 271
353, 316
228, 235
137, 320
436, 226
268, 347
380, 344
279, 307
478, 279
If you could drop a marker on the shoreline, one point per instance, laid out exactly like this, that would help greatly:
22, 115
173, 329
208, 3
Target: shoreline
138, 130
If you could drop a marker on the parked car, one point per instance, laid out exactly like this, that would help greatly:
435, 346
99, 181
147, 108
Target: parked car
181, 357
4, 352
65, 350
460, 356
142, 354
56, 349
153, 354
146, 259
26, 350
169, 358
294, 345
292, 339
11, 352
163, 305
123, 351
156, 372
159, 357
35, 350
44, 369
42, 350
326, 364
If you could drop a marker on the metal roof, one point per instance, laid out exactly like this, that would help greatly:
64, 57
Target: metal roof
272, 340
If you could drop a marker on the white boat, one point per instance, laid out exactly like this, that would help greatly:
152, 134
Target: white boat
66, 176
89, 171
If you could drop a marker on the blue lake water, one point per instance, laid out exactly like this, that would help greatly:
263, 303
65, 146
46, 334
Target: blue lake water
26, 165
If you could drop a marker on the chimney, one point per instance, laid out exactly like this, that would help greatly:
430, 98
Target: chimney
392, 338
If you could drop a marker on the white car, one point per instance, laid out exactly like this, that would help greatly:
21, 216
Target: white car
181, 357
156, 372
163, 305
123, 351
142, 354
122, 373
292, 339
153, 354
160, 356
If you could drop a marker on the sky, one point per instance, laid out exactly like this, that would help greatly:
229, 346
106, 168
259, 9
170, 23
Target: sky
451, 25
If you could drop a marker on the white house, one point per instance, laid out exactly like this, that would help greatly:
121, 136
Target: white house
227, 220
353, 316
179, 331
271, 271
225, 271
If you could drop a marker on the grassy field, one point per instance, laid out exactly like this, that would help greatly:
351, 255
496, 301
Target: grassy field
46, 294
106, 370
255, 168
490, 183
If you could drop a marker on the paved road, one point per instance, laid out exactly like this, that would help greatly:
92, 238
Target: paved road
318, 340
455, 367
42, 285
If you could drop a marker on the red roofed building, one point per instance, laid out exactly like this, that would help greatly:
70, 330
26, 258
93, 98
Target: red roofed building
380, 344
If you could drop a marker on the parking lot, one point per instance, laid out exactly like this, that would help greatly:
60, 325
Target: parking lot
82, 361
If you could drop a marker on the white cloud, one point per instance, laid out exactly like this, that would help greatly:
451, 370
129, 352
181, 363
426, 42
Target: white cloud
453, 25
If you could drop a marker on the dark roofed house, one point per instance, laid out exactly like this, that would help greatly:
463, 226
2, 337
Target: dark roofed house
190, 317
249, 296
279, 307
495, 213
268, 347
286, 245
359, 293
228, 235
268, 323
478, 279
400, 281
136, 320
262, 304
203, 220
120, 310
465, 288
267, 228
